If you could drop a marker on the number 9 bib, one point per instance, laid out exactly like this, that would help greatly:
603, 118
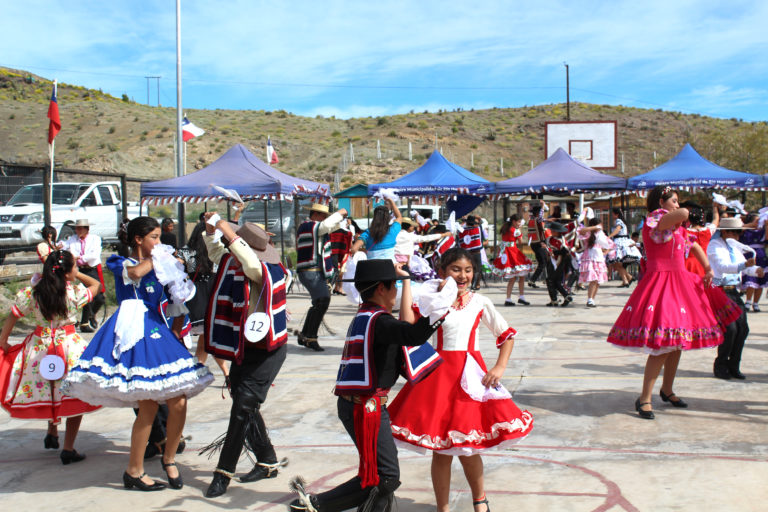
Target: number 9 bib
256, 326
52, 367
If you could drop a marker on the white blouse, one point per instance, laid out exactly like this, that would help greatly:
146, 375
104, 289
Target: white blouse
459, 331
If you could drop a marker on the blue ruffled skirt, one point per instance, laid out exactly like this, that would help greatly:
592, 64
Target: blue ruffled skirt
157, 367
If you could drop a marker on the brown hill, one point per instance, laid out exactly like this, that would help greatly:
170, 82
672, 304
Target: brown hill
104, 133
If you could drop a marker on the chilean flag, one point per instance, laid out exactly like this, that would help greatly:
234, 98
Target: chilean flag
53, 114
189, 131
271, 153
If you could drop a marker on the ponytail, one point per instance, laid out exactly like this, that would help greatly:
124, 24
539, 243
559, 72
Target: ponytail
50, 292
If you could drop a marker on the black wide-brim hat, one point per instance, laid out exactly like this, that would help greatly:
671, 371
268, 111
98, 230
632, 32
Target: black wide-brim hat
374, 271
557, 227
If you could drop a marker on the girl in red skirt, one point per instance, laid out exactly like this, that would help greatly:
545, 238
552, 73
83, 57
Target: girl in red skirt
461, 408
511, 263
30, 382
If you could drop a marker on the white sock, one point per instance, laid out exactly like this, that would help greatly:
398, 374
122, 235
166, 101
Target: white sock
748, 303
509, 298
521, 297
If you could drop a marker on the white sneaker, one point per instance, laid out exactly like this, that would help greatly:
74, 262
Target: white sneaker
591, 303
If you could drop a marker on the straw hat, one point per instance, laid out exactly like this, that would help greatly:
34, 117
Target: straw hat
264, 228
731, 224
319, 208
82, 223
408, 220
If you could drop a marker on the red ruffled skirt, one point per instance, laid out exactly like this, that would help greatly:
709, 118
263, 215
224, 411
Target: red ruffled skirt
437, 414
671, 310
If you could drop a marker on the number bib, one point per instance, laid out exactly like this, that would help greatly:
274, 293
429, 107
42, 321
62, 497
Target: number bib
256, 326
52, 367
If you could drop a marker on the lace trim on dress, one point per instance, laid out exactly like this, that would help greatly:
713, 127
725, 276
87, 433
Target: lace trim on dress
503, 337
474, 439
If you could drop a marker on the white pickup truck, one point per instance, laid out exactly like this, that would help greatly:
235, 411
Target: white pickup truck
21, 219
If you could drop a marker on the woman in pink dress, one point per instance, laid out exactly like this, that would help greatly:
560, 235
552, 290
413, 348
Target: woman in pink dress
668, 312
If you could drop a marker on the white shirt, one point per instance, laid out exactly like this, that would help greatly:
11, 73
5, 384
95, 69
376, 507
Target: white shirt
91, 257
331, 223
727, 265
405, 242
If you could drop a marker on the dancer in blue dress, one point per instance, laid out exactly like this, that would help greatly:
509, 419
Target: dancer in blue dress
136, 359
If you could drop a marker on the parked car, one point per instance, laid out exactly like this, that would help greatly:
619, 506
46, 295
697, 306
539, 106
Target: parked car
21, 219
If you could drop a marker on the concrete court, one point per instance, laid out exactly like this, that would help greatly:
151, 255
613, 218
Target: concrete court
588, 451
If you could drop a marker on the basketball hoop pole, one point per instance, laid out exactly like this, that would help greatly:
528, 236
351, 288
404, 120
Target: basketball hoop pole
567, 93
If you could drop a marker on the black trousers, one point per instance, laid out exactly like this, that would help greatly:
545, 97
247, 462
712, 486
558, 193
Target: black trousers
729, 352
250, 383
350, 494
93, 307
542, 256
477, 261
555, 277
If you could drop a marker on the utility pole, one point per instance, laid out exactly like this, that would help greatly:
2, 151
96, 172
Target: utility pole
567, 93
179, 137
157, 78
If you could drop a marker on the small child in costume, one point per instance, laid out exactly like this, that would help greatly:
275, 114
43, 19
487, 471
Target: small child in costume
32, 371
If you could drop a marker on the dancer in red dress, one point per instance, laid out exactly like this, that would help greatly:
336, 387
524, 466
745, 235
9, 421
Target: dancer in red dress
30, 386
511, 263
669, 312
461, 408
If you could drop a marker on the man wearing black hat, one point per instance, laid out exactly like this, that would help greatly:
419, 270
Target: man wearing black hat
247, 325
560, 250
373, 354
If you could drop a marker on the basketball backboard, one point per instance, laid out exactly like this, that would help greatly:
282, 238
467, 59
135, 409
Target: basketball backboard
591, 142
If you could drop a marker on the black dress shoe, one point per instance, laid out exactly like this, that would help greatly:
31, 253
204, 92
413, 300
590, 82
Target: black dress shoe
153, 449
668, 398
218, 485
182, 446
523, 302
260, 472
51, 442
175, 483
130, 482
722, 374
70, 456
86, 327
646, 415
314, 345
532, 284
302, 340
736, 374
567, 301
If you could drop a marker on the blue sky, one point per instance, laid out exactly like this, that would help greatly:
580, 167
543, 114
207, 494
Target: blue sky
352, 59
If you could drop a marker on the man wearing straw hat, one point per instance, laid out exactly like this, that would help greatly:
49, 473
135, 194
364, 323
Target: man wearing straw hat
314, 265
728, 262
86, 248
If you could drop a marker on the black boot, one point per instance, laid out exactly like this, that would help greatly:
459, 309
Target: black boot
218, 485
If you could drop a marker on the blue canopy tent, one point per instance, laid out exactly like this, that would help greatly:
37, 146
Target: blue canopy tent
560, 173
688, 169
440, 179
237, 169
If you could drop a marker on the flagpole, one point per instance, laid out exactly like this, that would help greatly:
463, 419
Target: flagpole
179, 137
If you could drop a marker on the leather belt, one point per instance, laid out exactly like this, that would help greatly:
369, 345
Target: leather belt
355, 399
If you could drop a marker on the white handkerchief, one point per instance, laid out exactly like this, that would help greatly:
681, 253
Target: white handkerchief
432, 303
228, 193
472, 383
